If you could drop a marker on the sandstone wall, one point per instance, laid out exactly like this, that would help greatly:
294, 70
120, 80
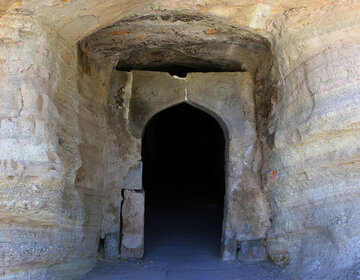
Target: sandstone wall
62, 140
78, 18
50, 154
122, 160
312, 169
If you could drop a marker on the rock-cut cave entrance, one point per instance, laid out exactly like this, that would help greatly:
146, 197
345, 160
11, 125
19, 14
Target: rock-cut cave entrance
183, 153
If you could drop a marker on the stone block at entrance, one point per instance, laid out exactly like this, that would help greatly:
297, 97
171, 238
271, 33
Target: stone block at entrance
132, 236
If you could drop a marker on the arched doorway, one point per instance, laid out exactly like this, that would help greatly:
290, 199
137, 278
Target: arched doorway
183, 154
138, 98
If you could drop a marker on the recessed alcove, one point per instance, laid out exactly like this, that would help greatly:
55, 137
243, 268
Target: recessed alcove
183, 154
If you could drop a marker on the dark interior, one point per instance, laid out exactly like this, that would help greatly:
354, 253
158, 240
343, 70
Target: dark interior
181, 70
184, 181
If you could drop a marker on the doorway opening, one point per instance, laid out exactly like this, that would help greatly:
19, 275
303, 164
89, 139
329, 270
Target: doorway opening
183, 154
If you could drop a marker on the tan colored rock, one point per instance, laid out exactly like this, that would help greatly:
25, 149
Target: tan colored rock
314, 194
132, 234
79, 18
51, 202
70, 141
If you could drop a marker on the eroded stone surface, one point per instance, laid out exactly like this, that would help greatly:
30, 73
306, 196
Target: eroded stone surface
60, 159
311, 174
50, 147
78, 18
168, 41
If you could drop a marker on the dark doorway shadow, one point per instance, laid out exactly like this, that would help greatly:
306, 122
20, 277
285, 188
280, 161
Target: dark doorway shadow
184, 181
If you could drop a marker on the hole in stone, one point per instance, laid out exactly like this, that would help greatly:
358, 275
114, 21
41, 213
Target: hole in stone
184, 180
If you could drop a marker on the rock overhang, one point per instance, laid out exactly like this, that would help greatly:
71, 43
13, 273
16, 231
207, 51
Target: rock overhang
178, 43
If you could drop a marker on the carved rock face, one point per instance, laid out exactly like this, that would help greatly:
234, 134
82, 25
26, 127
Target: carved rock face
174, 41
56, 65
